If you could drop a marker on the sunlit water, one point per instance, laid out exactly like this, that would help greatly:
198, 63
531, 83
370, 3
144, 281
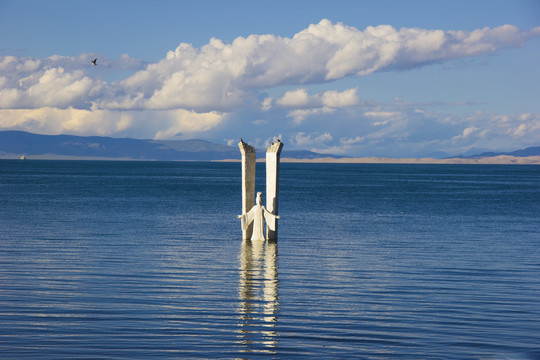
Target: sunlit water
133, 260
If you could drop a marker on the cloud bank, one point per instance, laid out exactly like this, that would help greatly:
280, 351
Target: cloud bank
196, 90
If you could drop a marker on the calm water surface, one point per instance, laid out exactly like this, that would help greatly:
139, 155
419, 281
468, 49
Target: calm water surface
134, 260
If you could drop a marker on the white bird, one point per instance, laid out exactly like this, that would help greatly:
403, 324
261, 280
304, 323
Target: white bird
94, 62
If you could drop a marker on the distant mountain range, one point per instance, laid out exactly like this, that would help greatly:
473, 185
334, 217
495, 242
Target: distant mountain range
530, 151
14, 144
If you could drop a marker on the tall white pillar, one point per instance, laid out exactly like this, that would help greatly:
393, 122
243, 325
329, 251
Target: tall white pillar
248, 182
272, 186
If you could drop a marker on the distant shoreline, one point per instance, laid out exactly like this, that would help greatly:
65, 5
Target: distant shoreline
20, 144
494, 160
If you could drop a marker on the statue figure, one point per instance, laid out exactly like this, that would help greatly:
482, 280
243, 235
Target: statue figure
258, 214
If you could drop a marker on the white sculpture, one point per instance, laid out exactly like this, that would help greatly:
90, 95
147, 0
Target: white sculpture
272, 186
248, 183
258, 214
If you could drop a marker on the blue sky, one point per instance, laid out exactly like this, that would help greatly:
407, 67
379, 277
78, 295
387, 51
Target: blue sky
360, 78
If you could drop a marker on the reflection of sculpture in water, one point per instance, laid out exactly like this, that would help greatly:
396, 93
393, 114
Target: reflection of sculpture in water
258, 214
258, 309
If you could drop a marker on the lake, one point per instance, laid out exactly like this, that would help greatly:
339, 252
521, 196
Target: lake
136, 260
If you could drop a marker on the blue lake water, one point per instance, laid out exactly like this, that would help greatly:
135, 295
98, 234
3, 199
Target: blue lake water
135, 260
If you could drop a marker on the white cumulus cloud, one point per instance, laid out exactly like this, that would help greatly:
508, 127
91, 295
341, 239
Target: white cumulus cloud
306, 105
299, 98
303, 139
299, 115
335, 99
221, 76
53, 87
295, 98
138, 124
193, 90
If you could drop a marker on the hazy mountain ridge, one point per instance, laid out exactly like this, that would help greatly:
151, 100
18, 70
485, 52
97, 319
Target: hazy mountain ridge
530, 151
14, 144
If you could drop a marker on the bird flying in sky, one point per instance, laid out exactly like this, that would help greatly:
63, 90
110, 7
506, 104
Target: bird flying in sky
94, 62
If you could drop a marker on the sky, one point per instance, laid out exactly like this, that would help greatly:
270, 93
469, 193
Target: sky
359, 78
